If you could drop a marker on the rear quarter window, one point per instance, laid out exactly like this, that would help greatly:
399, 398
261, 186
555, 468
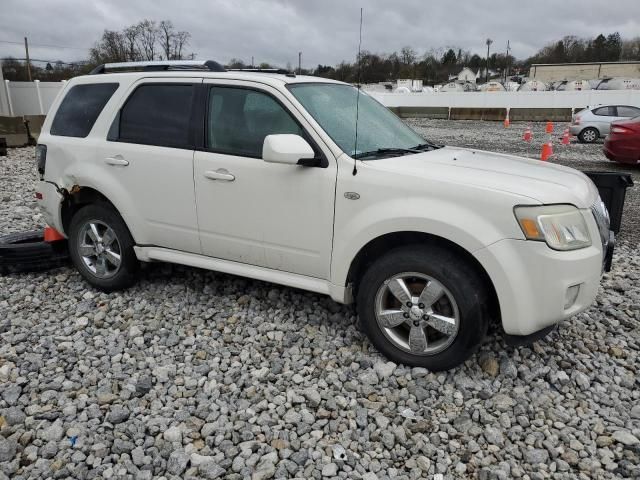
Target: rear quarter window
609, 111
80, 109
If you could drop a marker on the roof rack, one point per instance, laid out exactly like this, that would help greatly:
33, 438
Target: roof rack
159, 65
283, 71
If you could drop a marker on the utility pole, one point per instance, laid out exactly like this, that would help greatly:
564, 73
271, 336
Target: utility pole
251, 61
299, 63
489, 42
26, 49
506, 69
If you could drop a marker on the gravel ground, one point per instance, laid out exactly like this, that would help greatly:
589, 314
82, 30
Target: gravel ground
195, 374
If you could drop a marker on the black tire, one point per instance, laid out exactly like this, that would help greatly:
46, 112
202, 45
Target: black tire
125, 274
462, 282
589, 135
28, 252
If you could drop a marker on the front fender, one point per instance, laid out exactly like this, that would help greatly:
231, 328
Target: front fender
470, 217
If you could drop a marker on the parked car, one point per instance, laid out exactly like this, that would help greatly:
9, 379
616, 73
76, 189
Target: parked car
593, 123
623, 143
268, 175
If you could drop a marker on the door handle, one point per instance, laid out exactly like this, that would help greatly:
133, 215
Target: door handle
116, 160
219, 174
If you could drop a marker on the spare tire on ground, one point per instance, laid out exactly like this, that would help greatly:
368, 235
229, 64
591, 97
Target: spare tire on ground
28, 252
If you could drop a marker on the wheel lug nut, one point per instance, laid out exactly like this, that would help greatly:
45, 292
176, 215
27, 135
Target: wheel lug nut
421, 305
426, 317
416, 323
409, 304
406, 315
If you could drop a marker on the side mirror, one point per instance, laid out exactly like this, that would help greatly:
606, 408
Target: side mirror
286, 148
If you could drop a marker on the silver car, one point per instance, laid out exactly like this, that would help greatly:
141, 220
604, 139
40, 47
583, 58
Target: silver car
593, 123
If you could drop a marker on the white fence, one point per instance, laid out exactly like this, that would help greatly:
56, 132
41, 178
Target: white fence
29, 98
35, 98
553, 99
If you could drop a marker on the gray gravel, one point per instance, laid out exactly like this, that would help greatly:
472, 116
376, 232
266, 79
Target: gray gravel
194, 374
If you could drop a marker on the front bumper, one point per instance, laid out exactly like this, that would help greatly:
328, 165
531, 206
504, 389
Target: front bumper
532, 282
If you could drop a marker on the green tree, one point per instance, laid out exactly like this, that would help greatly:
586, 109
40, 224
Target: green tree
449, 58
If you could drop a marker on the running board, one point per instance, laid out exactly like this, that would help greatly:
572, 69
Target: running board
146, 254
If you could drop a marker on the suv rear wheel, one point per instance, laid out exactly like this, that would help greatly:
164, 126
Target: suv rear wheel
101, 248
423, 306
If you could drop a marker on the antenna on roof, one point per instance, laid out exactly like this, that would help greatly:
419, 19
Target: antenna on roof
355, 147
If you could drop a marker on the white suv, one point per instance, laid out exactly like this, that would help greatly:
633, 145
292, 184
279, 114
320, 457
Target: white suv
310, 183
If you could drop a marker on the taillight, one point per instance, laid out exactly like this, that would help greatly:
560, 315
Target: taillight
41, 159
619, 129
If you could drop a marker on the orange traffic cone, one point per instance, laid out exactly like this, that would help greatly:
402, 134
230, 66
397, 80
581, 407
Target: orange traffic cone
566, 137
547, 151
549, 128
52, 235
528, 135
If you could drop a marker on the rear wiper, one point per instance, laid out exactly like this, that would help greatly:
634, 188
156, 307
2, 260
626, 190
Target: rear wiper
385, 151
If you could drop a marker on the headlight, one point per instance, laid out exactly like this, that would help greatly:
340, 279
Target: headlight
561, 226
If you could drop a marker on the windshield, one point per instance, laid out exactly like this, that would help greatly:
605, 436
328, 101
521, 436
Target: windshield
333, 106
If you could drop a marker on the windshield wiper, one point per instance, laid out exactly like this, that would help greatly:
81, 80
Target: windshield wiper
426, 146
385, 151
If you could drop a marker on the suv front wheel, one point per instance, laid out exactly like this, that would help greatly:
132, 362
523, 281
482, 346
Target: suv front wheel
101, 248
423, 306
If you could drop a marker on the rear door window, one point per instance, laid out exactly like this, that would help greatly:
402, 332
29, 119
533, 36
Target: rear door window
624, 111
157, 114
80, 109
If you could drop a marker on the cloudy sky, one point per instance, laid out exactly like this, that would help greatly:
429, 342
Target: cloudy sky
326, 31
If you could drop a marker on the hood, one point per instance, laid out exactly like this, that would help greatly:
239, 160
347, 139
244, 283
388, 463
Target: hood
544, 182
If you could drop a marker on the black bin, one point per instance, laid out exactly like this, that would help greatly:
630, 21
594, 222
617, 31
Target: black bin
613, 188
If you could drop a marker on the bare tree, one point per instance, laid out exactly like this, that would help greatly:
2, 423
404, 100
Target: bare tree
166, 34
110, 48
631, 49
179, 42
408, 55
148, 39
236, 63
130, 36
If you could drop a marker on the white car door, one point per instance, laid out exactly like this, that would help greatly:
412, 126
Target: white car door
265, 214
149, 155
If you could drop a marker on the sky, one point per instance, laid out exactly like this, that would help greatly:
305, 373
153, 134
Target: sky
326, 31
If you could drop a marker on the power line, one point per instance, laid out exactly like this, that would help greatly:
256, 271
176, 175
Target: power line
44, 45
80, 62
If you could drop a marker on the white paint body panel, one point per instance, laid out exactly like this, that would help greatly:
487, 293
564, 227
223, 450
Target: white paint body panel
293, 225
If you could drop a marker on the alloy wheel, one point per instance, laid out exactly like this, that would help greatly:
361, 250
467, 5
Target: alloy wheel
417, 313
99, 248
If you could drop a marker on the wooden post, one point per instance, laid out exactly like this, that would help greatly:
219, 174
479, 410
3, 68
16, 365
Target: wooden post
26, 50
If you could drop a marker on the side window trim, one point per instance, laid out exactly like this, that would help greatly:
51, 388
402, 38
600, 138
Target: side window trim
202, 136
113, 134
